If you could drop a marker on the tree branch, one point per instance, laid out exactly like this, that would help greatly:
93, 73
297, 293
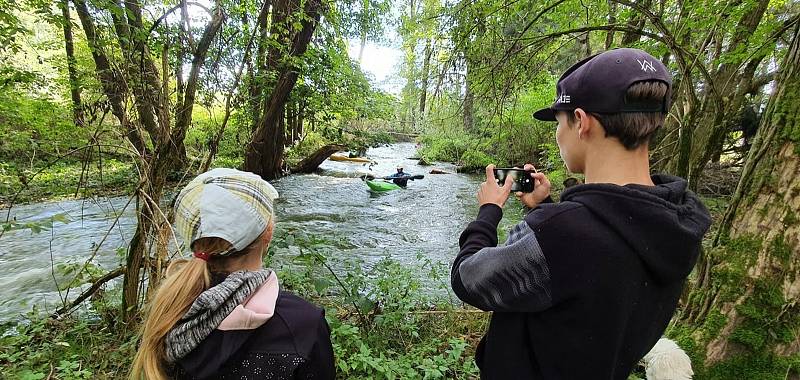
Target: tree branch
88, 293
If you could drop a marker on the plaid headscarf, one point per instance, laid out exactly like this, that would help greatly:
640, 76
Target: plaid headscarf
225, 203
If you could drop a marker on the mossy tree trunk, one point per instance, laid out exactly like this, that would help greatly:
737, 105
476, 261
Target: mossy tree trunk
746, 298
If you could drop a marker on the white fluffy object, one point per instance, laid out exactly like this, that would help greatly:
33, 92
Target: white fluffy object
667, 361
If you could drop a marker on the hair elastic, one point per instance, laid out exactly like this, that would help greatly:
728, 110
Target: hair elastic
202, 256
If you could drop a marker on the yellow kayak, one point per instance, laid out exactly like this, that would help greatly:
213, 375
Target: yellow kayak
336, 157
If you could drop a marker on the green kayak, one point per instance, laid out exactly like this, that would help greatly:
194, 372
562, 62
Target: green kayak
381, 185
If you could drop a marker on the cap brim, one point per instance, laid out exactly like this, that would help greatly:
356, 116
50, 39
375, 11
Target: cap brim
545, 114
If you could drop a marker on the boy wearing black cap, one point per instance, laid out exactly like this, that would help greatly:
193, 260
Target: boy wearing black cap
583, 288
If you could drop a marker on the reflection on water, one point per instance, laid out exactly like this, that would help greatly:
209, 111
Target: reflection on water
426, 218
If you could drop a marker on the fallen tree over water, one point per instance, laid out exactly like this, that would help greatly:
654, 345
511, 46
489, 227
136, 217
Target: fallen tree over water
312, 162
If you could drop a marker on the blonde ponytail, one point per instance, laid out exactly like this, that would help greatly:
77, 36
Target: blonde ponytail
186, 279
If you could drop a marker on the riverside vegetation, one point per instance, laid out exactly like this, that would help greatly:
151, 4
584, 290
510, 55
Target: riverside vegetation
382, 325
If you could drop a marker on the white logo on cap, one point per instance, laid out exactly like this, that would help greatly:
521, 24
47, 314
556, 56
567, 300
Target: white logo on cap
563, 99
647, 65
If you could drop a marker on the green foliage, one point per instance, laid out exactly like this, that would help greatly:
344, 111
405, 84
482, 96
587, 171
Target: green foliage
36, 226
10, 26
62, 179
508, 138
364, 18
35, 128
383, 325
308, 145
79, 273
74, 348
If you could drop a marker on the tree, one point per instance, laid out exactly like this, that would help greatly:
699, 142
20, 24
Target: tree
264, 155
749, 283
139, 76
69, 47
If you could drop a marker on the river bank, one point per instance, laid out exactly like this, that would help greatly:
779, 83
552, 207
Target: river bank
378, 263
334, 205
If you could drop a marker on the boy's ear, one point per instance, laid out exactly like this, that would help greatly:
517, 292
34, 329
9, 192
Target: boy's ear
584, 124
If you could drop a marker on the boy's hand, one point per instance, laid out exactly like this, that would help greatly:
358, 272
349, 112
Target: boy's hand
490, 192
541, 189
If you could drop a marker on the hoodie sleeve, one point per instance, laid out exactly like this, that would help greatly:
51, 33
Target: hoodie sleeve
513, 277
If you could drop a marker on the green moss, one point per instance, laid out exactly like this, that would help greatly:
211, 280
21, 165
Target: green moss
684, 337
734, 256
762, 212
766, 321
791, 218
761, 366
749, 338
713, 324
780, 249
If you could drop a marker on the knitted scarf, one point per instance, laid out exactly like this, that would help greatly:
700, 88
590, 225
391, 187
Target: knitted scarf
208, 311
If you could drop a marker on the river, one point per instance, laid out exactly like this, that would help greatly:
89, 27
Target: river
424, 219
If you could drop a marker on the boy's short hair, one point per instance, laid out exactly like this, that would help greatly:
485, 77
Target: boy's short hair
633, 129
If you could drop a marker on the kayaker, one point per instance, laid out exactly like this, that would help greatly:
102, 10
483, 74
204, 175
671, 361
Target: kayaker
400, 178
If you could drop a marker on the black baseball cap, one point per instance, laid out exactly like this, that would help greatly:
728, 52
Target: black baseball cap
599, 83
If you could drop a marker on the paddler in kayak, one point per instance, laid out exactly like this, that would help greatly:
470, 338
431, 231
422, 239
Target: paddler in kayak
400, 178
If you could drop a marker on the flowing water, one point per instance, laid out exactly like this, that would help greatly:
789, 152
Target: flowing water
424, 219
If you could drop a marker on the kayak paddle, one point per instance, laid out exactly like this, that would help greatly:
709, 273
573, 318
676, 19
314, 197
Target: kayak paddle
413, 177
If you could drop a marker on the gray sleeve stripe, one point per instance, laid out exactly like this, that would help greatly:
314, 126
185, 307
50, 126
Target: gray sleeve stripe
517, 232
510, 277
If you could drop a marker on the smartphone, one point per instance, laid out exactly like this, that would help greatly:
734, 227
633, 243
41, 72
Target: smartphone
522, 178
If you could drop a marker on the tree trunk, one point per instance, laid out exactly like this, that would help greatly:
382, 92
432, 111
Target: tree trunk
469, 100
636, 24
111, 80
425, 72
184, 113
756, 280
264, 155
612, 19
246, 61
290, 120
712, 129
74, 86
153, 109
312, 162
301, 115
584, 47
364, 26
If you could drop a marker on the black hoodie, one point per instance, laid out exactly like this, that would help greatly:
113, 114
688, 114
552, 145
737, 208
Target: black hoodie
293, 344
583, 288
